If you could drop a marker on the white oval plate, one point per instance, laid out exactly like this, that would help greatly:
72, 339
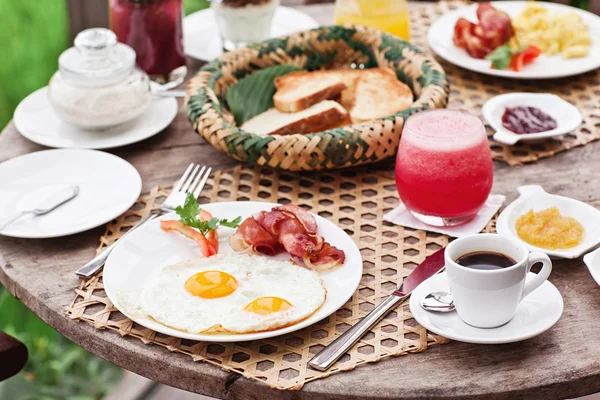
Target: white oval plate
144, 253
441, 31
201, 37
35, 119
592, 261
533, 197
566, 115
108, 186
537, 313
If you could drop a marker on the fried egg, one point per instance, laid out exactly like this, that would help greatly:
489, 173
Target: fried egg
234, 293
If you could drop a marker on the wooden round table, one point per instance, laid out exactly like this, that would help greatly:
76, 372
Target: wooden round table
562, 362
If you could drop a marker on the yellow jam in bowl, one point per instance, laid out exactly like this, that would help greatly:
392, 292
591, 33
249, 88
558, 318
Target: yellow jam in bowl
548, 229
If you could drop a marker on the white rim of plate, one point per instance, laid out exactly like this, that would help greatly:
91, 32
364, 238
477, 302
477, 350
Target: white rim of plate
417, 312
351, 289
308, 22
167, 105
528, 191
88, 226
505, 136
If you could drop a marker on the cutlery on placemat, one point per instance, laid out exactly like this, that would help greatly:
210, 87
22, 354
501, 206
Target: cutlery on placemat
51, 203
192, 181
330, 354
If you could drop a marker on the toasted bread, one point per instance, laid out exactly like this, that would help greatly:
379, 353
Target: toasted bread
321, 116
347, 76
375, 95
305, 89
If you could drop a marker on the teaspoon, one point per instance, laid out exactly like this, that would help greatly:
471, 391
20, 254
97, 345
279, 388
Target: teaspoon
438, 302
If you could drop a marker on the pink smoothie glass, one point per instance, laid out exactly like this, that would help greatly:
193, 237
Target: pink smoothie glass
444, 170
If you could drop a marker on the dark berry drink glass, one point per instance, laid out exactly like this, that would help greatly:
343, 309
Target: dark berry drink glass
153, 28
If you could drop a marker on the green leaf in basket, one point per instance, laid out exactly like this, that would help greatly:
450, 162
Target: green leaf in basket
254, 94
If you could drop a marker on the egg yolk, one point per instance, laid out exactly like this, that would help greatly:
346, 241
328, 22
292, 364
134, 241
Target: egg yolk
211, 284
268, 305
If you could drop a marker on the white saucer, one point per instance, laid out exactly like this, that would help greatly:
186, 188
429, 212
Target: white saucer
35, 119
144, 253
537, 313
592, 261
566, 115
201, 38
533, 197
108, 186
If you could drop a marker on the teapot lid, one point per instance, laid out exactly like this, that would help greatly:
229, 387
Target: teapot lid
96, 56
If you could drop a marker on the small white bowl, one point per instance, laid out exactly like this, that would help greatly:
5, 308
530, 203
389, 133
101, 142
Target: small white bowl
533, 197
566, 115
592, 261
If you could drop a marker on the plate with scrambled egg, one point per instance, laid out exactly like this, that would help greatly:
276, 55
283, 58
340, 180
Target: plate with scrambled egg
569, 39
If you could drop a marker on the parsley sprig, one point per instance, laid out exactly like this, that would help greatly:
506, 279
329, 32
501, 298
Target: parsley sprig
188, 215
502, 56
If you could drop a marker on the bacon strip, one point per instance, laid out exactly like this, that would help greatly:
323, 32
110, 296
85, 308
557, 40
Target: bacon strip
295, 240
289, 228
307, 220
329, 257
251, 234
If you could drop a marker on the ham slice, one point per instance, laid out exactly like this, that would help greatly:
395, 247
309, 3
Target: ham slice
289, 228
329, 257
251, 234
494, 29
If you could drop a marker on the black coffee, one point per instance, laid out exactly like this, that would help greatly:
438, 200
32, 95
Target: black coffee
485, 260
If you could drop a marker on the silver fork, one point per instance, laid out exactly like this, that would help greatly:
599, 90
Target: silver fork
191, 181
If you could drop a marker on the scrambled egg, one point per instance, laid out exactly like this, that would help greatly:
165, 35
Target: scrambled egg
553, 33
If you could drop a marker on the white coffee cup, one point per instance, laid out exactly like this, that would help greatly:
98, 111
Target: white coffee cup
489, 298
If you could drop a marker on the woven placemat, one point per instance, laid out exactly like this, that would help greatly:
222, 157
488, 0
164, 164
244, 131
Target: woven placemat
470, 90
356, 201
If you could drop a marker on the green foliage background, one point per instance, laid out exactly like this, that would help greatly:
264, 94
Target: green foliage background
33, 33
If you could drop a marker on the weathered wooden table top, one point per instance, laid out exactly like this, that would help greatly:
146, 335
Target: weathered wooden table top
562, 362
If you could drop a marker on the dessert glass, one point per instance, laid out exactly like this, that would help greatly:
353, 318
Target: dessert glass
243, 21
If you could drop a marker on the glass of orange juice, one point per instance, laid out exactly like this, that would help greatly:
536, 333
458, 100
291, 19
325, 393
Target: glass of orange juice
390, 16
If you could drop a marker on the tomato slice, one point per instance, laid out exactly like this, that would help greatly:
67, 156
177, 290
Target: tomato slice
206, 247
527, 56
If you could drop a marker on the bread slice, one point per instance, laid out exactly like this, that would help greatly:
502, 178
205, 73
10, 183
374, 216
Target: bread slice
375, 95
305, 90
319, 117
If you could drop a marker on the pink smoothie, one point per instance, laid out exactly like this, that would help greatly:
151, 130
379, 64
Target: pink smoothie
444, 165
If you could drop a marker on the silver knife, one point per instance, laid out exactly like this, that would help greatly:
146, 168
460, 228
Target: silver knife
50, 203
97, 262
330, 354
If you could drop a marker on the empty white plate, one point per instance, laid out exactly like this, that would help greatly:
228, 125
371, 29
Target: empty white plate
145, 252
201, 35
537, 313
533, 197
35, 119
441, 32
592, 261
566, 115
108, 186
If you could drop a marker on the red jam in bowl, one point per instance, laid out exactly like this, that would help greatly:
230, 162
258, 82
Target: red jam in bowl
522, 120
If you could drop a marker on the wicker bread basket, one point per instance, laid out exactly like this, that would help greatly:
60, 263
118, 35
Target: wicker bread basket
322, 48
